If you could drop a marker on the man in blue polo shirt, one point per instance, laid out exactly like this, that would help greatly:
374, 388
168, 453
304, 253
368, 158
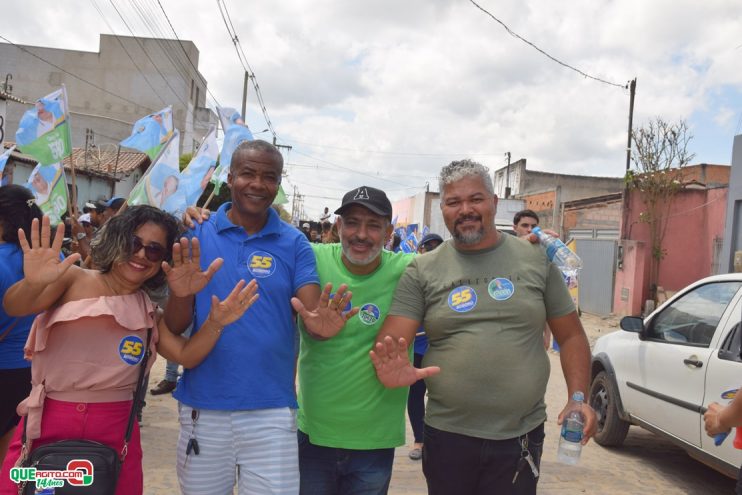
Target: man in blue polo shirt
238, 407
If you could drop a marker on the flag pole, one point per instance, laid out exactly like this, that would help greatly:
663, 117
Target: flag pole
71, 208
208, 200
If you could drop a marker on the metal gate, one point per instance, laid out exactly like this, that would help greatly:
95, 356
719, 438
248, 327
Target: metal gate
597, 274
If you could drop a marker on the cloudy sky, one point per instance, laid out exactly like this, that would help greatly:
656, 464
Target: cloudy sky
385, 92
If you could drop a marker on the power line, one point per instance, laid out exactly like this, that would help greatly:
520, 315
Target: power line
100, 12
203, 81
349, 169
74, 75
245, 64
516, 35
402, 153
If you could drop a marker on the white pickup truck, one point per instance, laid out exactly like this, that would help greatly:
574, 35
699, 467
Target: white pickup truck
661, 372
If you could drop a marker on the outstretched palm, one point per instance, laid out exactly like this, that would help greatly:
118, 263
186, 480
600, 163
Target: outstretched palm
185, 277
41, 259
393, 366
330, 315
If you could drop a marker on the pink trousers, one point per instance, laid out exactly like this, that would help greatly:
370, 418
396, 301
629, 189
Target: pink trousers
103, 422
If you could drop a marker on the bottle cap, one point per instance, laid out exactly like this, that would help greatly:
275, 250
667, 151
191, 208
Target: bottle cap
536, 230
578, 396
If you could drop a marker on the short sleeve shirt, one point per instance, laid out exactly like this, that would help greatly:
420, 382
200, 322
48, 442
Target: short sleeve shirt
484, 314
252, 364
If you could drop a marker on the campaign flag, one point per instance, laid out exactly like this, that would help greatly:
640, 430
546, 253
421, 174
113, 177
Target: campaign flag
228, 117
235, 135
160, 186
196, 175
281, 198
150, 133
3, 161
44, 131
49, 187
411, 229
402, 234
409, 245
426, 231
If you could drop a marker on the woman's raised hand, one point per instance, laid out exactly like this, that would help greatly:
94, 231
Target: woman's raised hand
234, 306
41, 259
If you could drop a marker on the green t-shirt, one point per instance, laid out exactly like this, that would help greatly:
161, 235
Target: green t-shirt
342, 404
484, 316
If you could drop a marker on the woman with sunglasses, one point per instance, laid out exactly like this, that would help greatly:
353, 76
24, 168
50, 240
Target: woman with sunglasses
88, 342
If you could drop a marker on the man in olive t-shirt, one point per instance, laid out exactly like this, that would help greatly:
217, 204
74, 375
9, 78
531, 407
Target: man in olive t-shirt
483, 298
349, 423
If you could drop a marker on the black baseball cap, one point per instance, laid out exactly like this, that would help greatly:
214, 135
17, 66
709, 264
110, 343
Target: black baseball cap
431, 237
368, 197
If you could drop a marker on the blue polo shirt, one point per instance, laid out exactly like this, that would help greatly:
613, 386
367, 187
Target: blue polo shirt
252, 364
11, 347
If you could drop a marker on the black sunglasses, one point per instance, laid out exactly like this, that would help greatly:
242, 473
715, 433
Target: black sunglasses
153, 252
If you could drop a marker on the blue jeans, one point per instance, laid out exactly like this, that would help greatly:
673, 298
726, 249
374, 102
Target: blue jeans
328, 470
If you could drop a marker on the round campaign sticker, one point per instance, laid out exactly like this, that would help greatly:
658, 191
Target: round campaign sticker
131, 350
347, 307
369, 314
261, 264
462, 299
501, 289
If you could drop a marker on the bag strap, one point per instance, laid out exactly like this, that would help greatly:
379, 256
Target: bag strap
137, 396
7, 330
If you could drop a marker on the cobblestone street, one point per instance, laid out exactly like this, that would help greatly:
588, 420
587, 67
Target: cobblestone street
645, 464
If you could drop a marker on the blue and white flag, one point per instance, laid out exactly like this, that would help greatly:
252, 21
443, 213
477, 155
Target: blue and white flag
3, 161
409, 245
235, 135
228, 117
196, 175
150, 133
160, 186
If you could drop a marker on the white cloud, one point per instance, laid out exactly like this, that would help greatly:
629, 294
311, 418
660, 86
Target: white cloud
436, 77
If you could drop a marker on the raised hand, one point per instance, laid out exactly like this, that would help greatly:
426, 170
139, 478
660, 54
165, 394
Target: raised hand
41, 263
329, 317
185, 277
393, 367
234, 306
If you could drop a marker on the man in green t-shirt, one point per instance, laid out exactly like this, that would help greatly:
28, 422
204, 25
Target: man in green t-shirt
483, 299
349, 423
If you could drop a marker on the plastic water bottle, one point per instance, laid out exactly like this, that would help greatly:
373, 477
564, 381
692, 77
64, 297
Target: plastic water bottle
570, 447
558, 252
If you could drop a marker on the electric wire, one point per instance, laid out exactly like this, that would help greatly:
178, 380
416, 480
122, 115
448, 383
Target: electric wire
516, 35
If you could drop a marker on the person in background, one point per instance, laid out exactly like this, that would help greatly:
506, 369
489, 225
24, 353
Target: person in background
112, 207
721, 419
416, 398
327, 233
17, 210
523, 223
305, 230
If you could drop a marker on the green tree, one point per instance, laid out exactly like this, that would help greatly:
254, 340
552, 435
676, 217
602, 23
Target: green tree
659, 154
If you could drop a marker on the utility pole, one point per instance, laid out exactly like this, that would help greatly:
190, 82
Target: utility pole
632, 93
507, 177
626, 204
244, 96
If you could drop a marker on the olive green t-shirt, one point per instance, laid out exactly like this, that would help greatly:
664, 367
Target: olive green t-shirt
484, 315
342, 404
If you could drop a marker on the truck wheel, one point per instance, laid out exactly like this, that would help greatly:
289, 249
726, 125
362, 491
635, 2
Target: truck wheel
612, 429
